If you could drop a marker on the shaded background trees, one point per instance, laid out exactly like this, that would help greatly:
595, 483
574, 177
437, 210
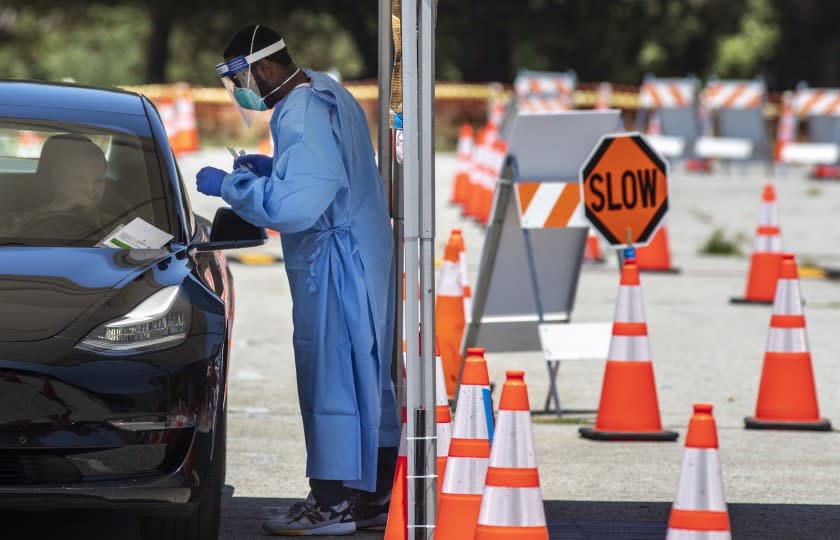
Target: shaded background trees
109, 42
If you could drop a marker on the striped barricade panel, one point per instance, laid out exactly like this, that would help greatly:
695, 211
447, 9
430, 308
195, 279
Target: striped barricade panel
734, 94
817, 102
538, 105
665, 93
548, 205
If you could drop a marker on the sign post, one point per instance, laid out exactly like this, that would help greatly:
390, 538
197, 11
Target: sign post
624, 189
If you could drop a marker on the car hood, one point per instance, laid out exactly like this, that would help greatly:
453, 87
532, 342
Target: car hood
44, 289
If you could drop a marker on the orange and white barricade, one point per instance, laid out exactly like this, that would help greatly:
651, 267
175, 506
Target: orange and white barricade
548, 205
512, 505
545, 92
819, 108
669, 107
469, 451
699, 509
742, 131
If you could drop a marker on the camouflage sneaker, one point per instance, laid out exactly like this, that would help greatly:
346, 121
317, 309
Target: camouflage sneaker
271, 512
312, 520
370, 512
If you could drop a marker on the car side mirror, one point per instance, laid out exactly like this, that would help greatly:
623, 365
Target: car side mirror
229, 231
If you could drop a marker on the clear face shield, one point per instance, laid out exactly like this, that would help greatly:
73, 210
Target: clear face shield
237, 78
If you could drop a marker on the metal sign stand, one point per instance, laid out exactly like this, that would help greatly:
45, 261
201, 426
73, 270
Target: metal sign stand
506, 310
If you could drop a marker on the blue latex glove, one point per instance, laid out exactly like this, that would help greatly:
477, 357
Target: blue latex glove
209, 181
259, 164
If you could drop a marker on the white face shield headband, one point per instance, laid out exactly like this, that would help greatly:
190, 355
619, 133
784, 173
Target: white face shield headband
237, 79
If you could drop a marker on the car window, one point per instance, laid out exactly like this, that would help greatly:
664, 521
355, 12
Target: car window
67, 184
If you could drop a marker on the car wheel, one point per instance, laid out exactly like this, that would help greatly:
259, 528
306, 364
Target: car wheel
203, 522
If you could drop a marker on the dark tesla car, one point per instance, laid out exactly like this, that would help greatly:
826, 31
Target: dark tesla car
113, 360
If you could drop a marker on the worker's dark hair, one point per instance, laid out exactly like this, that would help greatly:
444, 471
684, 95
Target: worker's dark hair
240, 44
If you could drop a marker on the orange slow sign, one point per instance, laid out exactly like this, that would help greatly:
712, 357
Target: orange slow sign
624, 188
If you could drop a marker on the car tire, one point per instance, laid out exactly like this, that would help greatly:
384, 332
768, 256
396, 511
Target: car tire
203, 523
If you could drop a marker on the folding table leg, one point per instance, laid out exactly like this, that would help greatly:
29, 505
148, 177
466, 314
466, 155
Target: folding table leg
552, 394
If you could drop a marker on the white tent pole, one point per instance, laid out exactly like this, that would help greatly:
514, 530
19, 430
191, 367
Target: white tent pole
416, 432
426, 40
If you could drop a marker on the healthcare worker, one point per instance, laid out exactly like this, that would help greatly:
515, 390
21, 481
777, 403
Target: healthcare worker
321, 190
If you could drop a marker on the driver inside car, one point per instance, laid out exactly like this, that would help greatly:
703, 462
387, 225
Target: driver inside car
71, 171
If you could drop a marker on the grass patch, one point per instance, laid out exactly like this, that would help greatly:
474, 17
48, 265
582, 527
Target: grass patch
719, 244
562, 420
814, 192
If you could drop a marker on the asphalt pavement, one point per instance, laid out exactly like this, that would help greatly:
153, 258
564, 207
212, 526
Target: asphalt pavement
778, 484
703, 349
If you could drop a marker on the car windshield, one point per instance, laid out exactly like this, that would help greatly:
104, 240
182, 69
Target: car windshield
65, 184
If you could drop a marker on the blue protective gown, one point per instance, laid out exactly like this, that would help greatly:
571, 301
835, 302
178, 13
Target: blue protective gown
326, 199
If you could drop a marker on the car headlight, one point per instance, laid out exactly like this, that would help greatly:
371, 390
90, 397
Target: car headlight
159, 322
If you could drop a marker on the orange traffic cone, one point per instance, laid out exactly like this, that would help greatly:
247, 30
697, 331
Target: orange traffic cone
493, 168
397, 526
463, 159
699, 509
654, 125
266, 146
465, 278
497, 115
479, 157
29, 144
656, 256
604, 96
512, 474
443, 420
187, 128
629, 410
449, 310
787, 397
592, 251
463, 481
786, 130
169, 118
767, 253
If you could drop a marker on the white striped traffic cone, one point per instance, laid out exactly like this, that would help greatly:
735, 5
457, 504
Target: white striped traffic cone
629, 409
512, 505
787, 395
469, 450
463, 159
766, 257
443, 419
449, 310
397, 526
699, 510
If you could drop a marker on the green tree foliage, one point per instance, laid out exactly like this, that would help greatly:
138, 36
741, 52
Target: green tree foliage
133, 41
94, 44
741, 54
